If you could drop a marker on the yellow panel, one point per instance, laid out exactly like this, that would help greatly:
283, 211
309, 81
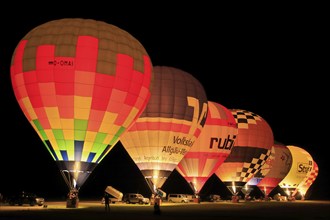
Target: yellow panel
29, 108
67, 124
68, 134
82, 114
53, 117
114, 129
90, 136
50, 135
70, 153
87, 149
82, 107
108, 138
130, 117
107, 122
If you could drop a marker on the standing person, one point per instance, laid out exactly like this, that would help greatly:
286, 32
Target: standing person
157, 205
107, 202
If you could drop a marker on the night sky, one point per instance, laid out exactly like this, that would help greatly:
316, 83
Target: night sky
266, 60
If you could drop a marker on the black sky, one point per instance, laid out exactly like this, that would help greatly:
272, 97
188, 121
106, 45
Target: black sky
265, 59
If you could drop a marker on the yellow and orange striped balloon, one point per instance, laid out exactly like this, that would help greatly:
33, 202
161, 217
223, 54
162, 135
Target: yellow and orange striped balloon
169, 126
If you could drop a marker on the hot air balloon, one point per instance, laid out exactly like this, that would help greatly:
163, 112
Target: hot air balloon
280, 164
251, 150
302, 165
169, 125
304, 186
260, 175
211, 148
80, 83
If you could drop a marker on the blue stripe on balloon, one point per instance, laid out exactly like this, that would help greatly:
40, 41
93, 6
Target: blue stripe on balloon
64, 155
78, 147
91, 157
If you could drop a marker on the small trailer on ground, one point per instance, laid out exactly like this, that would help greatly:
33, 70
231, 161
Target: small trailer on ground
115, 195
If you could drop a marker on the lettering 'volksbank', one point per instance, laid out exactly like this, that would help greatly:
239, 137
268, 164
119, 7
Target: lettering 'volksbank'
226, 143
183, 141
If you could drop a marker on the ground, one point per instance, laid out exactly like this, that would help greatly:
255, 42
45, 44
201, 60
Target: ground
205, 210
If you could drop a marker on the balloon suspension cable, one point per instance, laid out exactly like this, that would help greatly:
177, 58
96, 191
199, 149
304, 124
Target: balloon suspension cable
70, 182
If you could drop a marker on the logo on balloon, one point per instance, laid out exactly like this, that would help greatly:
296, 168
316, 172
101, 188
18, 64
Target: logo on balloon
61, 62
304, 168
174, 150
183, 141
227, 144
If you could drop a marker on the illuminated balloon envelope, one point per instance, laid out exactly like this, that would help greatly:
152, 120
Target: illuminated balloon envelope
307, 182
302, 166
250, 152
211, 148
260, 175
169, 126
280, 164
80, 83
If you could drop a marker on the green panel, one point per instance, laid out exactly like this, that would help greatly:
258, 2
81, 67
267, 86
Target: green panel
99, 148
40, 129
114, 140
80, 124
62, 144
37, 124
58, 154
100, 137
69, 145
79, 135
43, 135
80, 128
58, 134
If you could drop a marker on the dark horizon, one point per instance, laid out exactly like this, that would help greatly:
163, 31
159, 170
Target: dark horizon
128, 179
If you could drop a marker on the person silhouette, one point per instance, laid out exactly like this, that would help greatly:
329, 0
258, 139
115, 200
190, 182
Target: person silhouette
107, 202
157, 205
